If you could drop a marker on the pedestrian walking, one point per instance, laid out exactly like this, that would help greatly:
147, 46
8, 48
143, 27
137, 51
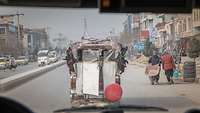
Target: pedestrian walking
121, 59
168, 66
154, 63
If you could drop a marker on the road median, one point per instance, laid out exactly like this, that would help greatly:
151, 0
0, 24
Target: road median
21, 78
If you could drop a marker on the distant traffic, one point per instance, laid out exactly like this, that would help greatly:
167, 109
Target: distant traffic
44, 57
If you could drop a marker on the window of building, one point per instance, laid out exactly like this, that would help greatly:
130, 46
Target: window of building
151, 22
196, 15
2, 30
179, 28
29, 38
189, 23
145, 24
182, 30
12, 29
161, 18
193, 15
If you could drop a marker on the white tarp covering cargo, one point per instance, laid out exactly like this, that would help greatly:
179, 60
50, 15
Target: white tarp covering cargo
91, 78
109, 71
79, 79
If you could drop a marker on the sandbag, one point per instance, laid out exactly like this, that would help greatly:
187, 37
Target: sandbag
152, 70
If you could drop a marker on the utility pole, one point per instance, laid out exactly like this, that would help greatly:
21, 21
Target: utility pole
85, 33
19, 30
18, 24
47, 42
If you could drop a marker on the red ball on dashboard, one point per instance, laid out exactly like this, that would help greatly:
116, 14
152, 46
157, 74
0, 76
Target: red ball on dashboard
113, 92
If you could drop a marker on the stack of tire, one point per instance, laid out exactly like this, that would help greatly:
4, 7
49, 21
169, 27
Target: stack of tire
189, 71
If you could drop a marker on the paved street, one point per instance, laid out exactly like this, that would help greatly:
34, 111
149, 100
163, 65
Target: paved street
51, 91
19, 69
138, 91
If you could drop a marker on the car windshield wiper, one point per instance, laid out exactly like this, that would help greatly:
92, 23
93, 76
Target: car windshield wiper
111, 107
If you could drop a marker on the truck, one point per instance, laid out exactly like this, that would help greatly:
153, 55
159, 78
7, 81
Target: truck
96, 67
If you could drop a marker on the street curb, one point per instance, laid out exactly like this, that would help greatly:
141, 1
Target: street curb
21, 78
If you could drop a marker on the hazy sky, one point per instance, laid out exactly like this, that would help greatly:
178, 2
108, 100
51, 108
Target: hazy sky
69, 22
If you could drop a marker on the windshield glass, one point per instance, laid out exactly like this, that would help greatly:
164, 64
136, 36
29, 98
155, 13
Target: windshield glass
153, 57
52, 55
90, 55
41, 54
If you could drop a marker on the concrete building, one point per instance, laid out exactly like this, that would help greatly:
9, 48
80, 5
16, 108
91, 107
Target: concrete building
147, 27
144, 33
34, 40
127, 25
183, 31
10, 42
165, 29
196, 22
136, 27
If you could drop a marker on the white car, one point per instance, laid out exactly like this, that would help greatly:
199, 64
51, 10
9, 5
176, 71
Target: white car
43, 61
53, 56
53, 59
43, 58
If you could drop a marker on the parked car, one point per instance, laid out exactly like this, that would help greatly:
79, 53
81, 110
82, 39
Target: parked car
3, 63
22, 60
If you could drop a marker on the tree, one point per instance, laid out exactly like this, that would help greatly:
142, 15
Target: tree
148, 48
194, 49
125, 38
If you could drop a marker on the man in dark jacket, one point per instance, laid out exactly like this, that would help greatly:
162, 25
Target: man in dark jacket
70, 60
154, 60
121, 59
